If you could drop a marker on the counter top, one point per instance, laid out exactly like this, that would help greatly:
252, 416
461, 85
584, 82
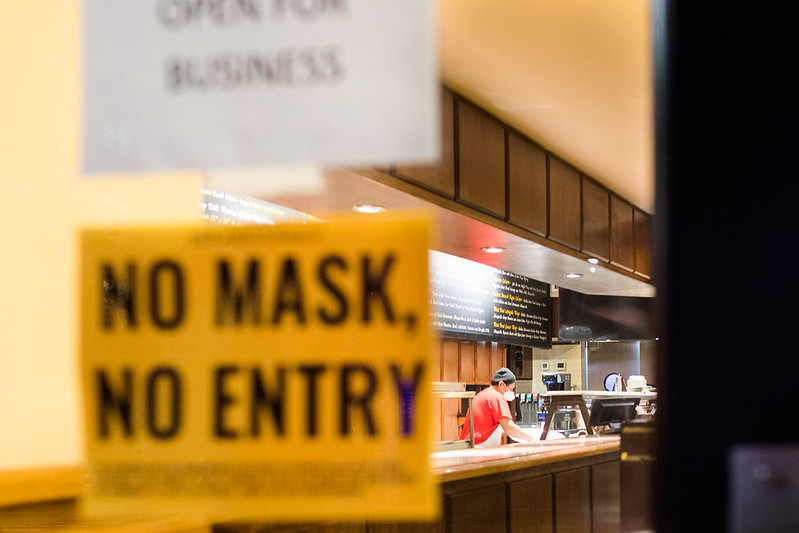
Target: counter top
461, 464
601, 394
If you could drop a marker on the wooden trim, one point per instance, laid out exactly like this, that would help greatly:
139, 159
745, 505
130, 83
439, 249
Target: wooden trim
469, 193
456, 148
642, 242
47, 499
549, 458
565, 204
506, 217
595, 219
549, 196
526, 186
458, 207
622, 237
482, 151
34, 485
466, 477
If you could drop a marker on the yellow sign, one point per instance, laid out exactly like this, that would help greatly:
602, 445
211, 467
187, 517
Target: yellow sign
267, 372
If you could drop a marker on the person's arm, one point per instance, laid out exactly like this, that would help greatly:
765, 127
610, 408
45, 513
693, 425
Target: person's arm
512, 429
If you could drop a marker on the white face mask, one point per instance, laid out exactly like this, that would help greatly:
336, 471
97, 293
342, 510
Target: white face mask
506, 392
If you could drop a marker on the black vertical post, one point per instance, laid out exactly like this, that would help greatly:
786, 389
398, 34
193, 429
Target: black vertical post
726, 239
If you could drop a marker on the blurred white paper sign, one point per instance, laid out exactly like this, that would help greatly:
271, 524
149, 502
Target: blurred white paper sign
199, 84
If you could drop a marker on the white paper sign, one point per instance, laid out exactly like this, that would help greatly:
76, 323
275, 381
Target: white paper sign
215, 83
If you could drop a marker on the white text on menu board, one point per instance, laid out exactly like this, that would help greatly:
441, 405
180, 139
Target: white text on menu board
511, 302
456, 311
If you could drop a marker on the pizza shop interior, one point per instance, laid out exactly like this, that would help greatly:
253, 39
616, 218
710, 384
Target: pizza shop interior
558, 389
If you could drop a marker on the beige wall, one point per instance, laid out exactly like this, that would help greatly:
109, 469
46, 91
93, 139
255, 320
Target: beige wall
45, 202
570, 354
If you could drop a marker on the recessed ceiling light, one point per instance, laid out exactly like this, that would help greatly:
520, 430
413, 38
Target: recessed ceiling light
368, 208
593, 260
573, 275
492, 249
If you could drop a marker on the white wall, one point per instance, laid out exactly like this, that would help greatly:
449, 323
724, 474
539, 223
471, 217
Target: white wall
44, 203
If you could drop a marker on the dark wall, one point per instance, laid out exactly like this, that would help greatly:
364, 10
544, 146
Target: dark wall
726, 225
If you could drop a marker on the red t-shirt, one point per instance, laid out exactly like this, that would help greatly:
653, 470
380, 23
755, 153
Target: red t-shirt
489, 407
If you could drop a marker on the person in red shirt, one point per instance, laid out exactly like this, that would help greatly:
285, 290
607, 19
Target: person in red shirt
492, 415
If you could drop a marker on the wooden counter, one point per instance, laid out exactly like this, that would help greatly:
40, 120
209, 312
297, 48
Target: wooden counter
461, 464
568, 484
554, 485
546, 486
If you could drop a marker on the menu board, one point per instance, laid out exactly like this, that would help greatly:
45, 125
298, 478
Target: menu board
222, 207
475, 301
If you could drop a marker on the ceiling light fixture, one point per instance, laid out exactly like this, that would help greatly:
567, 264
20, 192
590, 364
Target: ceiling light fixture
492, 249
573, 275
368, 208
593, 260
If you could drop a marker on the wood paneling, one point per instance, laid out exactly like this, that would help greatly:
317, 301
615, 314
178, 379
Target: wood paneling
564, 203
466, 366
573, 500
441, 177
531, 509
448, 408
642, 229
527, 184
596, 220
481, 160
622, 242
606, 497
468, 361
482, 363
637, 476
449, 359
450, 421
488, 166
480, 510
498, 356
